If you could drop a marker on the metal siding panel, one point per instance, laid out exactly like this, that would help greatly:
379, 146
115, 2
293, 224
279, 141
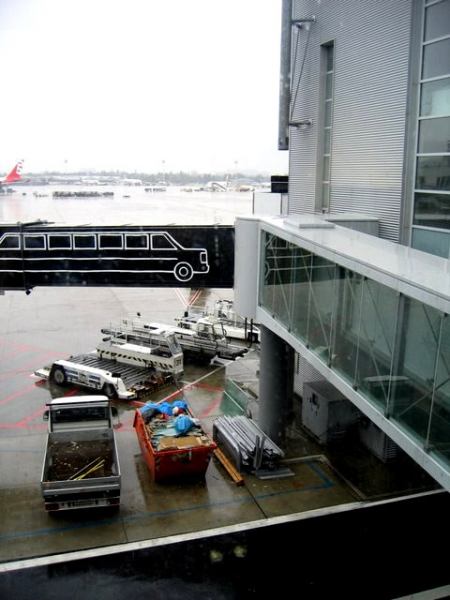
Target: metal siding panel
304, 372
371, 77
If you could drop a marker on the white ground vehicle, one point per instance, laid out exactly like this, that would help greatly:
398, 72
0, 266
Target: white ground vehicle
160, 352
113, 379
157, 357
221, 317
206, 341
81, 466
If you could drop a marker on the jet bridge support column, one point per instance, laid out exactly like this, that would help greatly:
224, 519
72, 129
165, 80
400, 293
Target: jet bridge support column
276, 382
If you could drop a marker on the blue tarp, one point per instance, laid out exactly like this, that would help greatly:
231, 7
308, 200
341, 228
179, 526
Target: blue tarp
165, 408
183, 424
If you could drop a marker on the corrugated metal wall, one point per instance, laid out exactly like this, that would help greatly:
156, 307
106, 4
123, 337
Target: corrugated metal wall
304, 372
372, 41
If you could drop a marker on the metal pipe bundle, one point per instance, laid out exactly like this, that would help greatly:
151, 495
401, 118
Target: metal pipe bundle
246, 443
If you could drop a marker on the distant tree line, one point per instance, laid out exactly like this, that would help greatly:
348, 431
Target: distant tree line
173, 177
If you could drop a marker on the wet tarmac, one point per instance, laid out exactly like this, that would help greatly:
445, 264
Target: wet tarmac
70, 321
163, 523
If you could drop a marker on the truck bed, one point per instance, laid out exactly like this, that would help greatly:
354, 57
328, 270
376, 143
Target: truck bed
67, 453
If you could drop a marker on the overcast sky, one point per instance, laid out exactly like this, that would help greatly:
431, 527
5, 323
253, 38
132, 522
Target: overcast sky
141, 85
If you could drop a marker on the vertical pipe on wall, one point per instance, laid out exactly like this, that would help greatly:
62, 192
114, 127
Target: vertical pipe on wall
285, 75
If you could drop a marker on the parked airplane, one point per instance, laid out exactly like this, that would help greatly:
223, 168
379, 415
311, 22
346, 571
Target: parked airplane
13, 176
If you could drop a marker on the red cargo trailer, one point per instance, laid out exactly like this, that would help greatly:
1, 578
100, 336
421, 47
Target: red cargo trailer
173, 456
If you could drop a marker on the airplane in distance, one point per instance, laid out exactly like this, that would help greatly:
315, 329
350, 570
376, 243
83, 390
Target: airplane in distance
14, 175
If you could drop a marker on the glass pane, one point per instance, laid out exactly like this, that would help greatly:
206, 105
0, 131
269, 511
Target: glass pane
327, 141
329, 86
300, 292
267, 276
435, 98
379, 312
432, 210
330, 57
110, 241
321, 298
434, 242
439, 439
346, 331
10, 241
326, 168
282, 288
136, 241
325, 195
328, 114
34, 241
277, 278
84, 241
433, 173
161, 242
436, 59
437, 20
59, 241
434, 135
412, 385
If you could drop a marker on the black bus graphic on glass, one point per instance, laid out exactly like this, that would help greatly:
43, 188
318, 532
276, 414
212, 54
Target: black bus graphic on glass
58, 254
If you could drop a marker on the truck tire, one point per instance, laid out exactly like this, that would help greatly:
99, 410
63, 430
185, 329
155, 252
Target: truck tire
109, 391
59, 375
183, 271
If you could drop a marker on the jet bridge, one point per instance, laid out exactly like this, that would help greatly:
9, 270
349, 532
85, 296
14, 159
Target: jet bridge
371, 316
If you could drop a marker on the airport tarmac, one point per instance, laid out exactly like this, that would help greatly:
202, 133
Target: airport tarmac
51, 324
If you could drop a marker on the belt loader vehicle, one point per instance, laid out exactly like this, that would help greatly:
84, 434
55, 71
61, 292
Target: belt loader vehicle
119, 369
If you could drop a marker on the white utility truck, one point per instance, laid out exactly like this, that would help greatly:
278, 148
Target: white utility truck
81, 466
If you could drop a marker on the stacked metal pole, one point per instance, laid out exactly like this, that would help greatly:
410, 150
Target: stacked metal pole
247, 445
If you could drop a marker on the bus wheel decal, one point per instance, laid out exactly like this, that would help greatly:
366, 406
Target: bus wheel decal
183, 271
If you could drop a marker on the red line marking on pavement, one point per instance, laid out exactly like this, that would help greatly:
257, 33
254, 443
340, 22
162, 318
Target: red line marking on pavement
23, 423
39, 426
126, 424
211, 388
20, 347
181, 298
28, 366
195, 297
212, 406
17, 394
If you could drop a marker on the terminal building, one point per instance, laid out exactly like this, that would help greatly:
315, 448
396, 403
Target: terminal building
349, 271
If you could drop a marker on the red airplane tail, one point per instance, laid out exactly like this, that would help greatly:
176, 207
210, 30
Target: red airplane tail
15, 174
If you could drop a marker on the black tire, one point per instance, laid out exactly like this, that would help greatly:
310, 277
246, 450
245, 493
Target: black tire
59, 375
183, 271
109, 391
